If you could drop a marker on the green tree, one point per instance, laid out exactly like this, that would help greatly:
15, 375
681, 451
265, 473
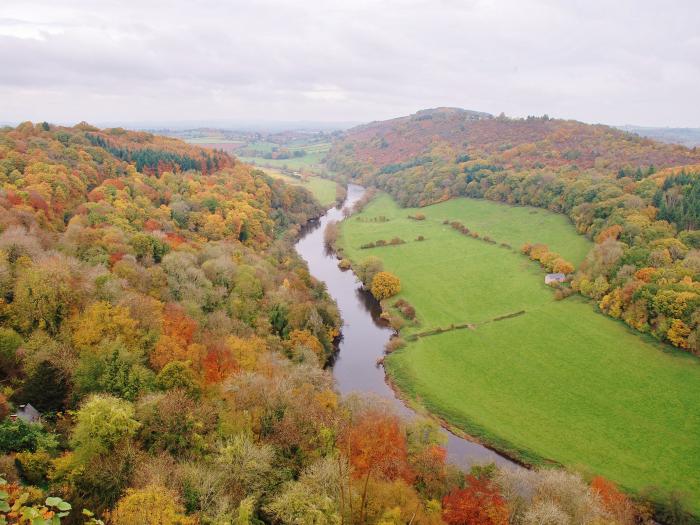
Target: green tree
46, 388
102, 423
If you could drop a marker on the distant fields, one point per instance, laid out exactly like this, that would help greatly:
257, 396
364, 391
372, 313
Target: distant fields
315, 153
323, 189
560, 382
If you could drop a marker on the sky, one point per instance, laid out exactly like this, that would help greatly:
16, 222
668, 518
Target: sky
167, 61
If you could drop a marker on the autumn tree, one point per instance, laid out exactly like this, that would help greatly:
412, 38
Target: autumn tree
101, 423
152, 505
376, 446
615, 502
479, 503
368, 268
385, 285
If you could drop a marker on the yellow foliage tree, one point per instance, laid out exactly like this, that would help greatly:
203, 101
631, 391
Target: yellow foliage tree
304, 338
385, 285
152, 505
678, 334
103, 322
246, 352
563, 266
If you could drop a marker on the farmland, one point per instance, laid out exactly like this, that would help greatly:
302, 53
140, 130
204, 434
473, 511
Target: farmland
560, 381
323, 189
263, 154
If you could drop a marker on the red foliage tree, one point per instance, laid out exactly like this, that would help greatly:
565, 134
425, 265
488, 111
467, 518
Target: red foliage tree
614, 501
480, 503
218, 363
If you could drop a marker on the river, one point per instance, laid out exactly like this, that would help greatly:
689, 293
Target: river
364, 335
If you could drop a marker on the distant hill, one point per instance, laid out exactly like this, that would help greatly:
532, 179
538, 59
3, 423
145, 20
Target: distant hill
686, 136
434, 154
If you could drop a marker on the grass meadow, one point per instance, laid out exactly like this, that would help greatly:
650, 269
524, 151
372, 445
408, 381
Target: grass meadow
560, 382
323, 189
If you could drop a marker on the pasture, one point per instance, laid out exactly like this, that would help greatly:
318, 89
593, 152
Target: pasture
323, 189
560, 382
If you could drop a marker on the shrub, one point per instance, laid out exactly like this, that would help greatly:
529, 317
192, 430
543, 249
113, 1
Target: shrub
409, 312
395, 343
420, 238
344, 264
562, 293
385, 285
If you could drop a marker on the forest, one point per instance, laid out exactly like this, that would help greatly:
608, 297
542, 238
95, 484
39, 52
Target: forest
172, 347
637, 199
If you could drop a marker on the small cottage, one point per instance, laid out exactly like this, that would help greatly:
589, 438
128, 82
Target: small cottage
28, 414
554, 278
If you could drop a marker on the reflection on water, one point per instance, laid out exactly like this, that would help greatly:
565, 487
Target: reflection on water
364, 334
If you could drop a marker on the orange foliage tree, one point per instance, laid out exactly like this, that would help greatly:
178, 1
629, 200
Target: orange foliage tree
615, 502
480, 503
376, 446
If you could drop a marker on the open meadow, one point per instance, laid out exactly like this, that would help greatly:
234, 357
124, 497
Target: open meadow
323, 189
559, 381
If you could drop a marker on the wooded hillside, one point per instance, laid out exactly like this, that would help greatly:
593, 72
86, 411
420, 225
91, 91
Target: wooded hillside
638, 199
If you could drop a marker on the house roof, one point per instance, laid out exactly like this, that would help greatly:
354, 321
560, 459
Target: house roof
28, 413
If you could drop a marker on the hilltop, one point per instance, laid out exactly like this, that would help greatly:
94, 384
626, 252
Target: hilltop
443, 147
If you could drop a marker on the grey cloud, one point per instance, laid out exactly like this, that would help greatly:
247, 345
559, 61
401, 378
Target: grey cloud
619, 62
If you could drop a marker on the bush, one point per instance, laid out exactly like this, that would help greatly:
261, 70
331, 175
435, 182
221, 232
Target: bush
562, 293
395, 343
420, 238
345, 264
408, 312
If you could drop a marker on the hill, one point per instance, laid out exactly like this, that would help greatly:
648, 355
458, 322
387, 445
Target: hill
451, 147
637, 198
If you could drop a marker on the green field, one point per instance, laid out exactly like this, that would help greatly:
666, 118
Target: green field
560, 382
312, 161
323, 189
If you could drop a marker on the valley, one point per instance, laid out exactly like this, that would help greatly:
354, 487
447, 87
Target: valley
559, 383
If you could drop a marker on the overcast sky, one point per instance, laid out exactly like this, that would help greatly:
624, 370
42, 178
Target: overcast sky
612, 61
